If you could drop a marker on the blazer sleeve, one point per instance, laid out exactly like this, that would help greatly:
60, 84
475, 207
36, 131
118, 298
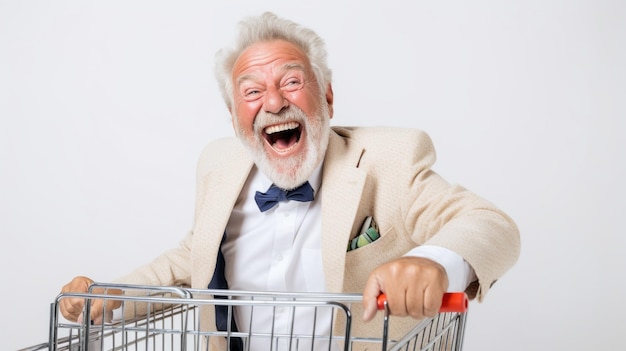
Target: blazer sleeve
171, 268
448, 215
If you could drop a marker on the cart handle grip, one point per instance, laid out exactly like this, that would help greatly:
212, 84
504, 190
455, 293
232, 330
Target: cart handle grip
451, 302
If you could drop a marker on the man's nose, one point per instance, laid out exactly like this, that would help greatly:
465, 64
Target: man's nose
274, 101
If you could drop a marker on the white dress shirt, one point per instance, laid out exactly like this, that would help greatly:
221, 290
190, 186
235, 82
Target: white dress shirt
280, 251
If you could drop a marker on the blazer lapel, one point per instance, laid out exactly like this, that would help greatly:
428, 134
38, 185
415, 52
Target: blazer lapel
342, 187
216, 204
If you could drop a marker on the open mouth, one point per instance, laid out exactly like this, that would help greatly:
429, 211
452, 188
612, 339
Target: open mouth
283, 137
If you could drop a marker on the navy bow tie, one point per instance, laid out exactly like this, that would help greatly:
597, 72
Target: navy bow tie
274, 195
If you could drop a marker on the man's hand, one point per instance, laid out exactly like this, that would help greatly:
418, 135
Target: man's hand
414, 287
72, 308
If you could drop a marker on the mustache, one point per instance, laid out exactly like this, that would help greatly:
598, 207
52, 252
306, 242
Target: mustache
291, 113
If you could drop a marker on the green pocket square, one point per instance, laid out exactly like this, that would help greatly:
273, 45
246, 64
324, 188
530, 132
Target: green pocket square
369, 233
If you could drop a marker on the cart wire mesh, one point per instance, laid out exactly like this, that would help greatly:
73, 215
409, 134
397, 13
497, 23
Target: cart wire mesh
169, 318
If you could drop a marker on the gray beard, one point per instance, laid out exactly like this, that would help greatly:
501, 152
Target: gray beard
289, 173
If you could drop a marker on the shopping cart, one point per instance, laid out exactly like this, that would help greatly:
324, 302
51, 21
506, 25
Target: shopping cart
171, 318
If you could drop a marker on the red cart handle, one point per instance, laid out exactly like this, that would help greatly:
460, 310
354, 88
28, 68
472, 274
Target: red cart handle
452, 302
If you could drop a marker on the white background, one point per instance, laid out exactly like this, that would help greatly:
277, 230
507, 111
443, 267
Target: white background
105, 106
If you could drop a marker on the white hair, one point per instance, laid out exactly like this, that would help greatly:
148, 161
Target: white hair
268, 27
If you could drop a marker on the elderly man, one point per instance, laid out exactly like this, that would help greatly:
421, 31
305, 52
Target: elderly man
281, 207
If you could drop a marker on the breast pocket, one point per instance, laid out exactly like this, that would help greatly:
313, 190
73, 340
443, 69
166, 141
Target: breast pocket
361, 261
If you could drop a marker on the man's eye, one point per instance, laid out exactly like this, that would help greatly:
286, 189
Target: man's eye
251, 92
292, 83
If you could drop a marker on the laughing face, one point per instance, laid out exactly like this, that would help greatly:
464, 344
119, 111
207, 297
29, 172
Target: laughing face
279, 112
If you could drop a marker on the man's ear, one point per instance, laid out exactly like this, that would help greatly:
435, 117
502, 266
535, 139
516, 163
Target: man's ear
329, 99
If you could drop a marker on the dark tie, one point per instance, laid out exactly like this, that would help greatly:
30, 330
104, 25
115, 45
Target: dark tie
274, 195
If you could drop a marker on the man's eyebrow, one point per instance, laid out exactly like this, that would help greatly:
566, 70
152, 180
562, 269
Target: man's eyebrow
293, 65
247, 76
284, 68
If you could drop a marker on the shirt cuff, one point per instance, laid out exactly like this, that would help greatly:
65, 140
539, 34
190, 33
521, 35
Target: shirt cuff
117, 315
460, 273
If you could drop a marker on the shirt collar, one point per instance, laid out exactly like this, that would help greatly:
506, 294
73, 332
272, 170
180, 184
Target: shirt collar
315, 179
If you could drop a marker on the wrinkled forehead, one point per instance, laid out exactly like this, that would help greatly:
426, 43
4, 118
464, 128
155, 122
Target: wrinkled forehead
259, 55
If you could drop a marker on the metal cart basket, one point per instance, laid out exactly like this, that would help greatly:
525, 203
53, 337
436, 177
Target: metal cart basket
170, 318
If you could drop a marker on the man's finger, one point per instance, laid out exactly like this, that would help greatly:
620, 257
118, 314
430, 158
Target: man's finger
415, 304
71, 308
370, 296
432, 301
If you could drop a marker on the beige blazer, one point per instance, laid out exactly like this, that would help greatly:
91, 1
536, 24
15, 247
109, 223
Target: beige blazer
380, 172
